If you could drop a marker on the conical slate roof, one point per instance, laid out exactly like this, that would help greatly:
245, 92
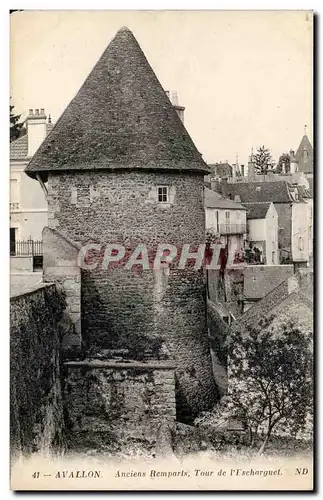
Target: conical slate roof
304, 155
120, 118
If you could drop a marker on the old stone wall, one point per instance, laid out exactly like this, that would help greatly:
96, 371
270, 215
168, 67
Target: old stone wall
284, 211
306, 282
60, 266
36, 409
110, 404
152, 314
231, 290
219, 331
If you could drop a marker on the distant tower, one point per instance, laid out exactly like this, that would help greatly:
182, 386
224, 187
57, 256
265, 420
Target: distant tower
235, 168
173, 97
121, 168
251, 166
293, 162
304, 155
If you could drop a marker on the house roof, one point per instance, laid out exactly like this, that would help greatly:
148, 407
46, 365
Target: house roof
270, 308
251, 192
291, 291
304, 155
120, 118
221, 169
261, 280
257, 210
19, 147
294, 178
213, 199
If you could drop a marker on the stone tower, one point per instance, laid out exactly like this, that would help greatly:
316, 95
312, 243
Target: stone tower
304, 156
121, 168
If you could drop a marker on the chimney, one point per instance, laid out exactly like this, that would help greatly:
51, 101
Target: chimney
173, 97
216, 186
224, 186
293, 162
36, 129
237, 198
242, 170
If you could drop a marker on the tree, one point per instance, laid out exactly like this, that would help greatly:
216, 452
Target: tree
17, 128
264, 161
271, 380
284, 161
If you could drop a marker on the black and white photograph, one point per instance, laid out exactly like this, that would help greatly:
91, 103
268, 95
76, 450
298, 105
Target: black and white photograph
161, 250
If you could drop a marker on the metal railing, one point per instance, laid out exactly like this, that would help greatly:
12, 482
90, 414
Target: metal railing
24, 248
232, 228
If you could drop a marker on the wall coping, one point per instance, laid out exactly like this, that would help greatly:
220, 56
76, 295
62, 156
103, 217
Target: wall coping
30, 290
137, 365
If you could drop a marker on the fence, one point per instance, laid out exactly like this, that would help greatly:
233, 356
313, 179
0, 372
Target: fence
22, 248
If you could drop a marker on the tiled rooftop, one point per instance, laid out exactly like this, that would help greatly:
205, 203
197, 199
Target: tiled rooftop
257, 210
120, 118
261, 280
212, 199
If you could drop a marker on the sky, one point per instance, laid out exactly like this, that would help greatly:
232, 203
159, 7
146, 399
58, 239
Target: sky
244, 77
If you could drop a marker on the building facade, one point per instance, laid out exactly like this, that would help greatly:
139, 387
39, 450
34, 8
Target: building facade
262, 230
292, 214
227, 218
28, 204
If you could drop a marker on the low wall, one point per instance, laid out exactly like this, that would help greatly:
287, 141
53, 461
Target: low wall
36, 409
21, 263
109, 403
60, 267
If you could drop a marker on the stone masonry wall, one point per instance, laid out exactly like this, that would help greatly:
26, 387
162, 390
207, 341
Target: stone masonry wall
108, 403
233, 282
151, 314
36, 408
60, 267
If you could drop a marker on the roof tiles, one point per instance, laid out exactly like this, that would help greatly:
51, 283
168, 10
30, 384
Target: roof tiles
120, 118
251, 192
257, 210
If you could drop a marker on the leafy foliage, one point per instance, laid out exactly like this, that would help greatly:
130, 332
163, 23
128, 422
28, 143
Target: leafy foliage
271, 380
284, 161
17, 128
264, 160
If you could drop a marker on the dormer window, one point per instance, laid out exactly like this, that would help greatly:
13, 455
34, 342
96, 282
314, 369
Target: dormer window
163, 194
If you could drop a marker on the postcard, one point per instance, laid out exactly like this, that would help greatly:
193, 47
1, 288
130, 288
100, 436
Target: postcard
161, 250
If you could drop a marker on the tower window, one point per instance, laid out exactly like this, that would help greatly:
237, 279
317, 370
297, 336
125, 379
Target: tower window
300, 243
163, 194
